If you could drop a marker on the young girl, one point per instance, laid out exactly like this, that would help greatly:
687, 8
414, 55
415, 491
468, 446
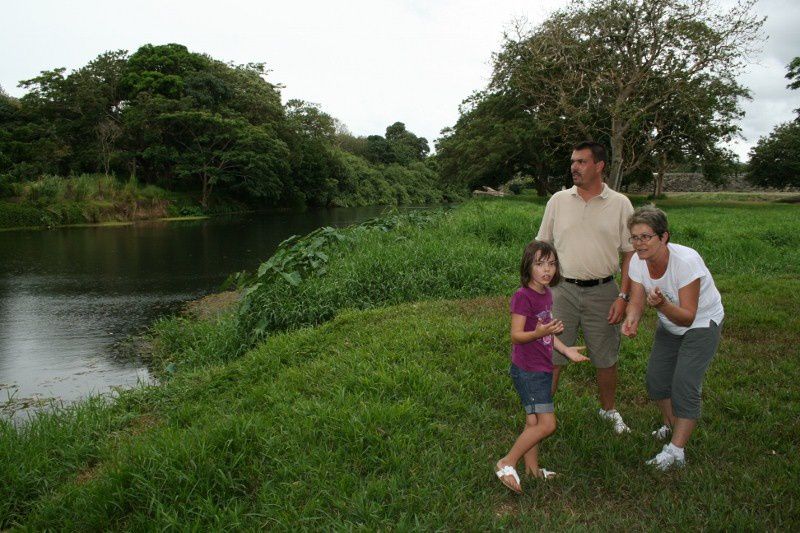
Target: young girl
533, 331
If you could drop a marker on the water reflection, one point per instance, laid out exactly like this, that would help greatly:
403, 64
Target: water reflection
68, 295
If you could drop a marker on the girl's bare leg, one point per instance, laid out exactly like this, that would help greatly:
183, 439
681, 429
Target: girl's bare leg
531, 459
537, 428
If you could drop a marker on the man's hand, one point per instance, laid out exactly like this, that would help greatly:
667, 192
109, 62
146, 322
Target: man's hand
617, 311
573, 353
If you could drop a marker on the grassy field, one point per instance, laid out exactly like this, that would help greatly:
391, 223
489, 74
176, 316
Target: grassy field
379, 399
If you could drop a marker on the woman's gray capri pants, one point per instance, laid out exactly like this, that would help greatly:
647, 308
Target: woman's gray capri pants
677, 366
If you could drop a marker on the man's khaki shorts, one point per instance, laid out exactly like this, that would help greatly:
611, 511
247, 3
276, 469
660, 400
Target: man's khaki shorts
587, 308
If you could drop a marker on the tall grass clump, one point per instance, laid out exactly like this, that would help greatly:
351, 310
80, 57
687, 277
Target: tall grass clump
88, 198
467, 252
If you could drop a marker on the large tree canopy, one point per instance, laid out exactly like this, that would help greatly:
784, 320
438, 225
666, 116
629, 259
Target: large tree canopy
641, 75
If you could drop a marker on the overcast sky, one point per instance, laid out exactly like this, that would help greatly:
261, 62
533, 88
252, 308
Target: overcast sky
369, 63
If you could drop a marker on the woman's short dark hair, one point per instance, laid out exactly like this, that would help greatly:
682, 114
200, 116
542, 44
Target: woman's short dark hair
651, 216
542, 250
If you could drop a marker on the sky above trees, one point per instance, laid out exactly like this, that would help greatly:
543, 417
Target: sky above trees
367, 63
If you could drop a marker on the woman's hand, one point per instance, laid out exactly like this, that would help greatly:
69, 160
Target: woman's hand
630, 327
655, 298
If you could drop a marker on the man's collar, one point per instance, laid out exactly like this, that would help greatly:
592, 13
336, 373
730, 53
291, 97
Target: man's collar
603, 194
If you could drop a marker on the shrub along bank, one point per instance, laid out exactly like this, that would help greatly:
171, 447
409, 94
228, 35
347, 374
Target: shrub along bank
392, 416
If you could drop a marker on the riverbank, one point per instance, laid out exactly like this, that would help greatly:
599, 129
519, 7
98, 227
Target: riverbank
378, 398
96, 199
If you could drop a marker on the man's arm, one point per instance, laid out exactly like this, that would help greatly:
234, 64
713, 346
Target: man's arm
546, 226
617, 311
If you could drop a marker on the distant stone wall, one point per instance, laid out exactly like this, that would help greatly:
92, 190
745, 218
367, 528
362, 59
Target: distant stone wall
695, 182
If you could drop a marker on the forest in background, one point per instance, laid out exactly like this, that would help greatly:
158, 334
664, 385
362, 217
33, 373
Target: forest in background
656, 81
181, 121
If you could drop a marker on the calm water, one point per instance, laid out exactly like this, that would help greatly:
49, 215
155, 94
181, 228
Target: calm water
68, 296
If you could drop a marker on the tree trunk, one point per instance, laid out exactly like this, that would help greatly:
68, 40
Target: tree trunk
662, 170
615, 173
206, 191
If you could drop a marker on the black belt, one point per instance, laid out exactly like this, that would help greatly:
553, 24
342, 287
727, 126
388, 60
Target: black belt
588, 282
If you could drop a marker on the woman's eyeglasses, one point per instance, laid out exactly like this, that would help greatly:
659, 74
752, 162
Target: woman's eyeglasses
644, 237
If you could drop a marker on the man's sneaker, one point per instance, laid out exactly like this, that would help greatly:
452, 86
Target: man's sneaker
614, 416
665, 460
662, 433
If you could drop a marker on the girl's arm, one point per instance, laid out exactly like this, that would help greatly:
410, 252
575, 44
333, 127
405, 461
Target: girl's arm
634, 310
573, 353
682, 312
520, 336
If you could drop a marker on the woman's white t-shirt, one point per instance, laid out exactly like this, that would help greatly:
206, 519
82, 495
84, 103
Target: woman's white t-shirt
685, 265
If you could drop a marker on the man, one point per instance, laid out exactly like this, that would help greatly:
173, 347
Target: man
587, 224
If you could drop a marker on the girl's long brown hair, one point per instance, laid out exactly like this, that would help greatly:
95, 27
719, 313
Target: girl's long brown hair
543, 250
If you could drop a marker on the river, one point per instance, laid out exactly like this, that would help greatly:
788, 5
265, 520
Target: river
70, 297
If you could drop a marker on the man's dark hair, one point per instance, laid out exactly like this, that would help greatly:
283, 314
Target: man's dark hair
598, 151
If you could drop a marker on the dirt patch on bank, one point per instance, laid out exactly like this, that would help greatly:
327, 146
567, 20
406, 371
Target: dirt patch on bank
213, 305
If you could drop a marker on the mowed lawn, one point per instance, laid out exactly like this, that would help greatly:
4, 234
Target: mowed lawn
393, 417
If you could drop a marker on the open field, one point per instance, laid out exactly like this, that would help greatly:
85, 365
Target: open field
380, 399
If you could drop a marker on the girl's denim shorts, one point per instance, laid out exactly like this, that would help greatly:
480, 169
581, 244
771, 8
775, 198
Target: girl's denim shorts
533, 389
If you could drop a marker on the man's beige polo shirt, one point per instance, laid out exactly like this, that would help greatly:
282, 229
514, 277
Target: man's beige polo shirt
588, 236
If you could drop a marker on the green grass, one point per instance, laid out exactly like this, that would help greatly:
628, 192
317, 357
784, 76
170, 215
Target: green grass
391, 414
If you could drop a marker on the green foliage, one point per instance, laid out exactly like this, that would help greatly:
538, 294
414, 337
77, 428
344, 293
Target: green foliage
647, 78
184, 121
774, 159
497, 138
360, 423
17, 216
54, 201
398, 146
794, 73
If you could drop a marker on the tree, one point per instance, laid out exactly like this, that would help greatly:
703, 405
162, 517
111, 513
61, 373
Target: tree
404, 146
605, 69
774, 160
74, 106
794, 74
226, 152
794, 78
495, 138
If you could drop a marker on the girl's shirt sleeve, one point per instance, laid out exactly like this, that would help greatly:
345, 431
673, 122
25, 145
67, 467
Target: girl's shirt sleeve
520, 305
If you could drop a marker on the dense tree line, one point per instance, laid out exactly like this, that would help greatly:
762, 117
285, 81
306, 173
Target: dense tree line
774, 160
654, 80
185, 121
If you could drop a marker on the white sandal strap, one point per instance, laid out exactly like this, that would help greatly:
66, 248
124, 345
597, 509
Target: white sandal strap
547, 474
508, 471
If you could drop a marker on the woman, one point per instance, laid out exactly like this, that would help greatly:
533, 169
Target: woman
675, 281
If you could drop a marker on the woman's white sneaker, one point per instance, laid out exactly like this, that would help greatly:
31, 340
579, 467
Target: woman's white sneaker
666, 459
662, 433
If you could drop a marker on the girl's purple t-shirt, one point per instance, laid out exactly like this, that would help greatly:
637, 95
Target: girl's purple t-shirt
537, 355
